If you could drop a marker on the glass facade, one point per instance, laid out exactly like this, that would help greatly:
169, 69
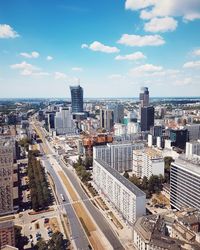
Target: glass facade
77, 99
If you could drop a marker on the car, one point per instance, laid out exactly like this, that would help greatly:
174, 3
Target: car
46, 220
50, 234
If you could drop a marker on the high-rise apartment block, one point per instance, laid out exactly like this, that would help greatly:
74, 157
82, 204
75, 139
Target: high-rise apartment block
63, 121
185, 184
148, 162
117, 155
124, 195
6, 175
77, 99
106, 119
193, 149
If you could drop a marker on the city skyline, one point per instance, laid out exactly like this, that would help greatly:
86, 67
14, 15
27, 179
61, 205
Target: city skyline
111, 50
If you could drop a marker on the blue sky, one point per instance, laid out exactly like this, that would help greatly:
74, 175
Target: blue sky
113, 46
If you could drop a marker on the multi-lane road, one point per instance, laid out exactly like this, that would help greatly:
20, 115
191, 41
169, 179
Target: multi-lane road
78, 233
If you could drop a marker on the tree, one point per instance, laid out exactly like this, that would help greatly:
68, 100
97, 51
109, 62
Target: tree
56, 242
126, 175
41, 245
155, 184
144, 184
135, 180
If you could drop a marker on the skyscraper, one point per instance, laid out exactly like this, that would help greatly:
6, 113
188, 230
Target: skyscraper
147, 118
144, 97
6, 175
106, 119
77, 99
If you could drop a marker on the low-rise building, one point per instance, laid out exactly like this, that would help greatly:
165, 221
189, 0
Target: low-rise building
7, 234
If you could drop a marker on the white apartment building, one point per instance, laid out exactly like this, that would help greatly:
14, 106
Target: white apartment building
118, 155
147, 162
193, 149
127, 198
185, 184
64, 122
6, 175
120, 129
133, 128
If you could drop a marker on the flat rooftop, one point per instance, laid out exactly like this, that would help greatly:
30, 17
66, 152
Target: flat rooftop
129, 185
188, 165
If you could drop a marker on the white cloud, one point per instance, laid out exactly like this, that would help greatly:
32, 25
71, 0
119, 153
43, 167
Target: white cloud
49, 58
27, 69
134, 56
192, 64
79, 69
60, 75
84, 45
196, 52
97, 46
138, 4
136, 40
183, 82
145, 69
161, 24
188, 9
33, 54
7, 32
192, 16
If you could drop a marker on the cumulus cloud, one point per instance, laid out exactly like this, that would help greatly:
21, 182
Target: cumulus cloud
196, 52
192, 64
145, 69
27, 69
161, 24
79, 69
49, 58
6, 31
97, 46
188, 9
183, 82
132, 57
60, 75
140, 41
33, 54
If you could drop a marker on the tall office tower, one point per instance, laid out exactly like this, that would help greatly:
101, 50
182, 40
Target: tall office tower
7, 235
106, 119
6, 175
77, 99
185, 184
147, 118
118, 112
144, 97
63, 121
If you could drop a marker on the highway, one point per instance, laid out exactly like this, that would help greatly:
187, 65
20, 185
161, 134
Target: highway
77, 232
94, 212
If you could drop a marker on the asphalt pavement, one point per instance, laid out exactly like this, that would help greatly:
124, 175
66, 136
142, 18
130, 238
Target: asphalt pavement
77, 232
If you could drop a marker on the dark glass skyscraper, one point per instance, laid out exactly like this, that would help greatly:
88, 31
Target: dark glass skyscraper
144, 97
77, 99
147, 118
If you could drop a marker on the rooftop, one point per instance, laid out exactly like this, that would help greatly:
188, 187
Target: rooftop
129, 185
188, 165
